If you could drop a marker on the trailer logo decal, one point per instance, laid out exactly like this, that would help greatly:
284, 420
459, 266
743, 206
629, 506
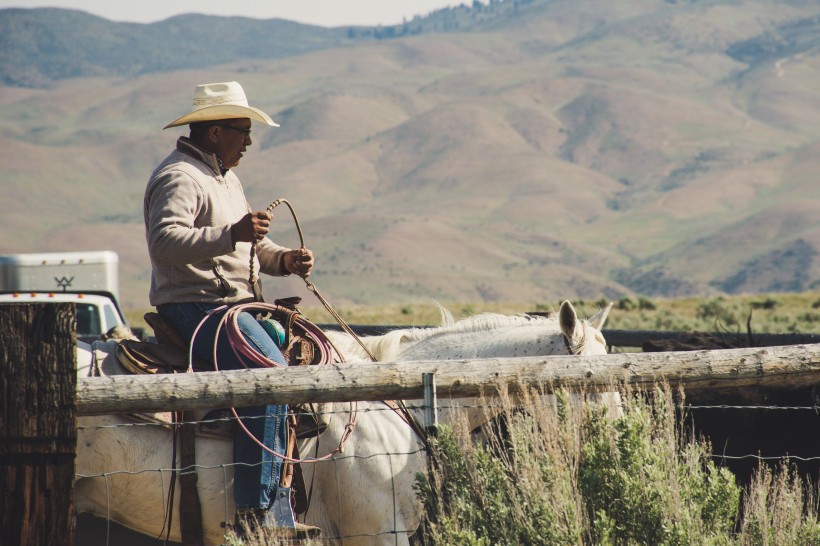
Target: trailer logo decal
64, 282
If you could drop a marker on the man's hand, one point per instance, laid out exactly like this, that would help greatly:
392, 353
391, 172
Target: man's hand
299, 262
252, 227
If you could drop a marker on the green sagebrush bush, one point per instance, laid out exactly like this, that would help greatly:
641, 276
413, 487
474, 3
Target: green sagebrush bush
570, 473
642, 484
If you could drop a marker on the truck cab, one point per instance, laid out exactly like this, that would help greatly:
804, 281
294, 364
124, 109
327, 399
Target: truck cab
87, 279
96, 313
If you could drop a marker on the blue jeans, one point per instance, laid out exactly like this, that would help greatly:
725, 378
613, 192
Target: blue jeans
257, 473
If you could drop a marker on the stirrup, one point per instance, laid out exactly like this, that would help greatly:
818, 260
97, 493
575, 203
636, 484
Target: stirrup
309, 423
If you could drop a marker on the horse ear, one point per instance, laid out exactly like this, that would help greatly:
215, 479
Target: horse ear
567, 318
600, 317
445, 315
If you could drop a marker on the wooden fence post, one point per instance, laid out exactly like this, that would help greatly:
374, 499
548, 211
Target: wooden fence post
38, 423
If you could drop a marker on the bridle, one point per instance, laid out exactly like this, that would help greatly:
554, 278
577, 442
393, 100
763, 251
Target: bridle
576, 348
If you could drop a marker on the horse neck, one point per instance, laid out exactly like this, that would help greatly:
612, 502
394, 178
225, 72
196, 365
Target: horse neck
99, 358
534, 337
84, 359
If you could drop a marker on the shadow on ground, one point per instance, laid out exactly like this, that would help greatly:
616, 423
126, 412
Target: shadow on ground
94, 531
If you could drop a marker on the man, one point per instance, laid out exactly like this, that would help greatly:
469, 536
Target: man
199, 228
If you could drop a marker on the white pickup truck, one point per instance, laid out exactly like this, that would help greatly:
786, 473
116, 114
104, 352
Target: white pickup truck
88, 279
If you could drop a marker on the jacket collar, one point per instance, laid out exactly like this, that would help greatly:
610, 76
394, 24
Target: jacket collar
187, 147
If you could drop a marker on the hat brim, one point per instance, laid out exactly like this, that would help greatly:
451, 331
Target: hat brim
223, 111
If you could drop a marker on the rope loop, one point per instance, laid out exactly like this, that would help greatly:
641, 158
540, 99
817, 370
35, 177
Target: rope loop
247, 355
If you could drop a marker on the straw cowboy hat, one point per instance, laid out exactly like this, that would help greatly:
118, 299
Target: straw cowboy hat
215, 101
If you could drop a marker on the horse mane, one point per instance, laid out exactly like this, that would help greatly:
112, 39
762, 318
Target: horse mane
388, 346
476, 323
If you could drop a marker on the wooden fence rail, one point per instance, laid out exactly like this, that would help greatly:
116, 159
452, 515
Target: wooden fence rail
636, 338
792, 366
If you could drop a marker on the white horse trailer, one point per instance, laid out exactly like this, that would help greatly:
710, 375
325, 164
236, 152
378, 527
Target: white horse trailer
88, 279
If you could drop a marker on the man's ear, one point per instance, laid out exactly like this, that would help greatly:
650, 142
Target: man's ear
213, 133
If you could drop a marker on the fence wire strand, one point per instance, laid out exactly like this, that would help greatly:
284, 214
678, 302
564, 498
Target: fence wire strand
340, 457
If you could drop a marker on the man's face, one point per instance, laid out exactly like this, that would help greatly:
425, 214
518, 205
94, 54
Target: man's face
231, 137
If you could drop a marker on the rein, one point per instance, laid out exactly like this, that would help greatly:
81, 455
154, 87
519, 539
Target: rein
310, 286
396, 405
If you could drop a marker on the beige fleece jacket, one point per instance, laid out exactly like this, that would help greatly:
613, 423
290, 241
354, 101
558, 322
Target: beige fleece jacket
189, 209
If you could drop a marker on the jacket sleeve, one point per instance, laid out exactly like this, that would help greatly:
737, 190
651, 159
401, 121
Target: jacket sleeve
271, 257
173, 201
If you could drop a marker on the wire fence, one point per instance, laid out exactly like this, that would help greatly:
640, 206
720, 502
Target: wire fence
167, 473
392, 532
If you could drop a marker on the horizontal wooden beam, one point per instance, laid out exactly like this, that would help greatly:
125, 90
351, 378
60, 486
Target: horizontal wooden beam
793, 366
636, 338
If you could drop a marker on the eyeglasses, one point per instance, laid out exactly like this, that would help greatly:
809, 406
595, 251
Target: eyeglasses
246, 132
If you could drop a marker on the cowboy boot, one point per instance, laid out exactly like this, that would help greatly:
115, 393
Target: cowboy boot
259, 523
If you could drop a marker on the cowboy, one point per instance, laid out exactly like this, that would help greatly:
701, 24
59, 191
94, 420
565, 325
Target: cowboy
200, 231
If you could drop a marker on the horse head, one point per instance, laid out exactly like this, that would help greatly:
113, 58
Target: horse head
583, 337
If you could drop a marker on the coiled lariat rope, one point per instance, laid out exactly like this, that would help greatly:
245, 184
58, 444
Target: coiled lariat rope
245, 353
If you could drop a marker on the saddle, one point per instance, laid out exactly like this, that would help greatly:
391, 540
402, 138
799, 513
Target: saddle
302, 343
168, 355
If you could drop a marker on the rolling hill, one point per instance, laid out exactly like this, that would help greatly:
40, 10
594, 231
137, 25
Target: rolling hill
514, 151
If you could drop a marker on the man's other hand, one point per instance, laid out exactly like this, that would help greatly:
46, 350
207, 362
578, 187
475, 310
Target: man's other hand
299, 262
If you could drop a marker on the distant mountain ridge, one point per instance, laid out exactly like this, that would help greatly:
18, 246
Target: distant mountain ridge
515, 150
38, 46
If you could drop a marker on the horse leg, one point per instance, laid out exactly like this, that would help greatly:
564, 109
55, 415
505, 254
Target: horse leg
364, 496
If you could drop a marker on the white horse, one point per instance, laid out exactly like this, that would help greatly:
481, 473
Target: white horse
488, 335
363, 496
